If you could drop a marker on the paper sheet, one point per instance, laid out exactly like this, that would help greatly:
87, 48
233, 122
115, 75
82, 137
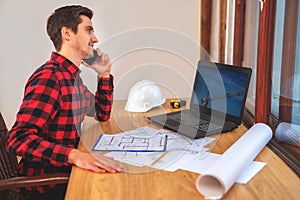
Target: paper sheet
190, 155
125, 143
223, 173
177, 147
199, 163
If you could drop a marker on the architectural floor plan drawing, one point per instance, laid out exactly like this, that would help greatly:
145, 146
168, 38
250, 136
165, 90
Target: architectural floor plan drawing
129, 143
179, 149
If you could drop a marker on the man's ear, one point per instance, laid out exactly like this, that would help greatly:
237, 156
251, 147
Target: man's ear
66, 33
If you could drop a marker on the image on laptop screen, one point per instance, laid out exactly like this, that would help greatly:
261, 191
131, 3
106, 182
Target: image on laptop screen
232, 93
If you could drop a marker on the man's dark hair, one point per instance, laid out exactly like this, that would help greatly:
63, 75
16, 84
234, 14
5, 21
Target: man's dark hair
67, 16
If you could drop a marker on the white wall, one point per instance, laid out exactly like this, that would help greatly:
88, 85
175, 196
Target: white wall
155, 40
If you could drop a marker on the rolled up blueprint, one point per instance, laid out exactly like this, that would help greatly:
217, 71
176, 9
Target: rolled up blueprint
288, 133
223, 173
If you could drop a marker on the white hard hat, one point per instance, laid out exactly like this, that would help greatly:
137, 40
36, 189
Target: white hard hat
143, 96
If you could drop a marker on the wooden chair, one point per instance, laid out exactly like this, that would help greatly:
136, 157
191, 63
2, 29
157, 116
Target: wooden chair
9, 182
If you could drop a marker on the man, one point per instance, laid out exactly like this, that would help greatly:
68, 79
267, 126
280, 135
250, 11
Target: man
47, 128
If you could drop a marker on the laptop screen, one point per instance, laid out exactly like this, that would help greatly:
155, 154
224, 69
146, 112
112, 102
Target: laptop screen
221, 88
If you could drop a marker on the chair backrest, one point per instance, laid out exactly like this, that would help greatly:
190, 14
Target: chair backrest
8, 164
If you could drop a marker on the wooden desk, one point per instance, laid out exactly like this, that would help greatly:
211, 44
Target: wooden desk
274, 181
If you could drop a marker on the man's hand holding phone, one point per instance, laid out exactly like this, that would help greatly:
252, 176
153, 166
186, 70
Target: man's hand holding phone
100, 62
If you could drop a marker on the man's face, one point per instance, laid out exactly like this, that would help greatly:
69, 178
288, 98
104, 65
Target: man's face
85, 38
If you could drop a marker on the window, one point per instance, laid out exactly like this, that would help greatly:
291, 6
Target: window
277, 77
266, 38
284, 35
285, 93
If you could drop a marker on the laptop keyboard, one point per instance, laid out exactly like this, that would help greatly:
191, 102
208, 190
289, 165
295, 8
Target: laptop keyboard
201, 124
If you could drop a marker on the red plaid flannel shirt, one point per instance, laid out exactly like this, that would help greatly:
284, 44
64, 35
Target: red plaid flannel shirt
48, 123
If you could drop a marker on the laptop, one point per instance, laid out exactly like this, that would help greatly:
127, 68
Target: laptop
217, 101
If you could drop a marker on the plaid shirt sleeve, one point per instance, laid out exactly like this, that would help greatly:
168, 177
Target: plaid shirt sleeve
42, 101
99, 105
104, 98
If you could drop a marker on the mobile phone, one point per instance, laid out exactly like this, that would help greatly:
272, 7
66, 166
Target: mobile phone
92, 59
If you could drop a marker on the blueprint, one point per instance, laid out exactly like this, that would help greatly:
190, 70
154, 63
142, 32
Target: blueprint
134, 141
177, 146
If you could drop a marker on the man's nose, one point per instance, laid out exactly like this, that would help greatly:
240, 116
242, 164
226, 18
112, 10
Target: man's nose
94, 38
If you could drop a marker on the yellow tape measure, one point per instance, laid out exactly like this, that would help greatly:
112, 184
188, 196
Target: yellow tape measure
177, 103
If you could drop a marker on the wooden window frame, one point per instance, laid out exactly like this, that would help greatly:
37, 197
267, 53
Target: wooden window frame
206, 23
239, 32
264, 68
264, 75
288, 60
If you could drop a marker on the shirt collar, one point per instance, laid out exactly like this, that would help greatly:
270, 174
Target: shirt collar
65, 63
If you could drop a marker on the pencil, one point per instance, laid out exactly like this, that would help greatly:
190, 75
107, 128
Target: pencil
160, 157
